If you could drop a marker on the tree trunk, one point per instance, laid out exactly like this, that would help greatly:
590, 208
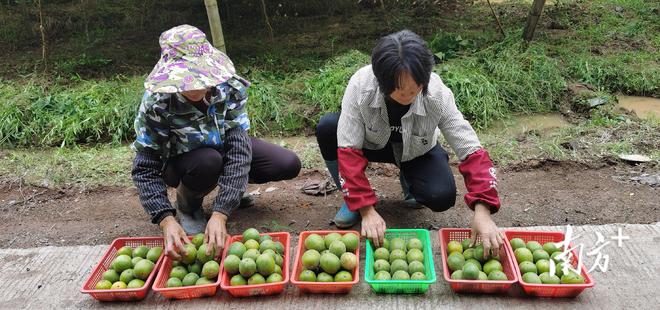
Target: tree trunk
42, 30
533, 19
266, 19
215, 24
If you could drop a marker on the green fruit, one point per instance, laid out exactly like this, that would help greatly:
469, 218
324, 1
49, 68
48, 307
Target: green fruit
176, 263
251, 234
533, 246
466, 244
278, 269
256, 279
154, 253
343, 276
126, 250
546, 278
119, 285
265, 264
134, 260
397, 254
196, 268
251, 244
497, 275
267, 245
279, 248
400, 275
517, 243
126, 276
539, 255
414, 255
135, 283
382, 275
263, 238
397, 244
386, 244
279, 260
143, 268
474, 262
231, 263
414, 243
189, 254
111, 276
247, 267
469, 253
455, 261
470, 272
348, 261
572, 278
554, 255
542, 266
104, 285
307, 276
198, 240
479, 253
559, 269
270, 252
311, 259
531, 277
315, 242
457, 275
274, 278
203, 281
202, 257
523, 255
251, 253
454, 246
121, 263
338, 248
397, 265
381, 265
174, 282
492, 265
330, 263
190, 279
178, 272
351, 241
211, 269
237, 280
415, 266
550, 247
482, 276
324, 277
141, 251
382, 253
527, 266
237, 248
418, 276
329, 238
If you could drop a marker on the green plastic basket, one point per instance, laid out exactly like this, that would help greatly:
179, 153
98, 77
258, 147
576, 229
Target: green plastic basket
402, 286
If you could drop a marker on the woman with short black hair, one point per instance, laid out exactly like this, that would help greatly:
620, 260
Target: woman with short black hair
393, 111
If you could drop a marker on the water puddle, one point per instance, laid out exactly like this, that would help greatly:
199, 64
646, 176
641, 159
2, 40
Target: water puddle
524, 123
643, 107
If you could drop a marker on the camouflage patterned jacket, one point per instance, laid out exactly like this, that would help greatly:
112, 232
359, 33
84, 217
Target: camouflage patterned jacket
167, 125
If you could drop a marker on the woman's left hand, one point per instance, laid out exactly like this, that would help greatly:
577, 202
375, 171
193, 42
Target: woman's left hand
216, 234
482, 225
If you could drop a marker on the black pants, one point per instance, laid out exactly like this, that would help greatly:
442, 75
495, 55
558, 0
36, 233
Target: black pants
200, 169
429, 177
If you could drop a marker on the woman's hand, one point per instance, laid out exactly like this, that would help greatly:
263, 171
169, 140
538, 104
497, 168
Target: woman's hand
216, 234
174, 236
373, 226
483, 226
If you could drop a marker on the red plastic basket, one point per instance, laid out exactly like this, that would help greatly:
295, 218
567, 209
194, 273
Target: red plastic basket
322, 287
547, 290
123, 294
184, 292
476, 286
259, 289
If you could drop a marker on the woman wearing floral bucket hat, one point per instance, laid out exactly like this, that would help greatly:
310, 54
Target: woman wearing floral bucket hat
191, 134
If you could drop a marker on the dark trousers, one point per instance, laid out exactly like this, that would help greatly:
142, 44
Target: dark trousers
429, 177
200, 169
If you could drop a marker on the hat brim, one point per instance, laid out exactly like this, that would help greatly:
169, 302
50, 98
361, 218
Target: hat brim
189, 73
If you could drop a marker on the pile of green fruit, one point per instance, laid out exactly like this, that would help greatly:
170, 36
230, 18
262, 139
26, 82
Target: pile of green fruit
257, 259
195, 267
465, 262
130, 268
329, 258
534, 262
399, 260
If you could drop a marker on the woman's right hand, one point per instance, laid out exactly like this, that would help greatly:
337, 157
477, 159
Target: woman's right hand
373, 225
174, 236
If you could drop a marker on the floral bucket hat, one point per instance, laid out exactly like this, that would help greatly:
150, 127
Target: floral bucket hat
188, 62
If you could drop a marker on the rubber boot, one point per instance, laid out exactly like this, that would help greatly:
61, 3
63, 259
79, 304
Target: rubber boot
189, 208
344, 218
408, 198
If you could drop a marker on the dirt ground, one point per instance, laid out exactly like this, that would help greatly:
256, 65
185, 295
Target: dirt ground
534, 193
